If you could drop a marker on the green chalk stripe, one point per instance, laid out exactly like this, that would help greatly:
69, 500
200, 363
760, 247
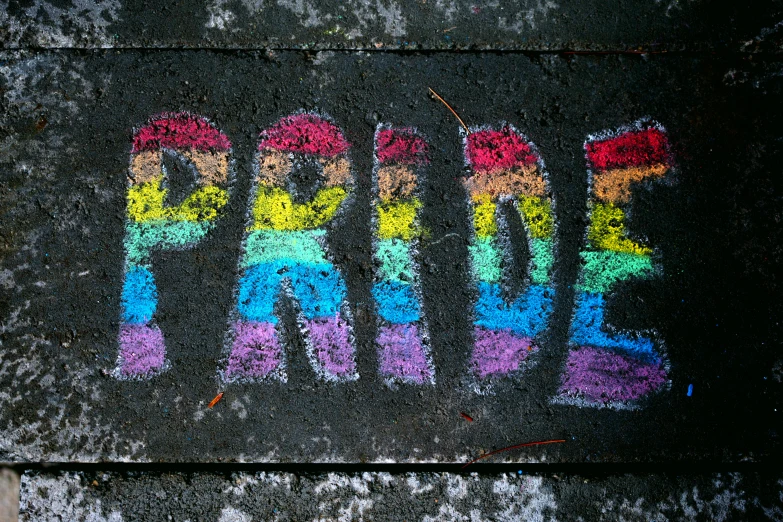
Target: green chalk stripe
543, 259
265, 246
603, 268
143, 238
395, 259
486, 259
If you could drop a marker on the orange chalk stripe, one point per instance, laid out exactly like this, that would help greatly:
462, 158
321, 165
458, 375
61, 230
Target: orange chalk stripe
507, 182
614, 186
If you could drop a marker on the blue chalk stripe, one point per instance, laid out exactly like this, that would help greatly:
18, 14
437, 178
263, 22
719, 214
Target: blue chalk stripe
397, 302
318, 288
586, 329
526, 316
139, 296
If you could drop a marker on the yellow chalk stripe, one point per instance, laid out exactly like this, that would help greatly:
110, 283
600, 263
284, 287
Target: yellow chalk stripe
146, 203
537, 215
397, 219
484, 215
607, 230
275, 209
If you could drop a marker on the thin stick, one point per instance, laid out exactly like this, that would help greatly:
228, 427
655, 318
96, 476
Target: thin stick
516, 446
215, 400
449, 108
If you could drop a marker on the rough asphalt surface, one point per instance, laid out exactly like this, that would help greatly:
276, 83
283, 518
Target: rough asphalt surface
70, 118
77, 79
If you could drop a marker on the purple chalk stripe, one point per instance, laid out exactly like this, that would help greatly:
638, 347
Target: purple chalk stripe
330, 339
142, 350
401, 353
603, 376
255, 352
498, 352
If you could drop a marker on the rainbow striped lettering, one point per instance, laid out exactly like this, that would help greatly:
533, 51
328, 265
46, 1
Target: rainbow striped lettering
153, 224
608, 367
403, 350
504, 167
285, 254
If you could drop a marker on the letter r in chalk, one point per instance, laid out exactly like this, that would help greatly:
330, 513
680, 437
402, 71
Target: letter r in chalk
304, 177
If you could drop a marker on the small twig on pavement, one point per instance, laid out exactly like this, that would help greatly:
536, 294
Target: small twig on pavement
526, 444
449, 108
215, 400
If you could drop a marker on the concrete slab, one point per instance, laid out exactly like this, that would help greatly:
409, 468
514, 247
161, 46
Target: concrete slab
409, 496
577, 25
416, 323
9, 495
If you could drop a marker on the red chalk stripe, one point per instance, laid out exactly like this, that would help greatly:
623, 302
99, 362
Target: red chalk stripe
631, 149
304, 133
496, 149
179, 131
400, 146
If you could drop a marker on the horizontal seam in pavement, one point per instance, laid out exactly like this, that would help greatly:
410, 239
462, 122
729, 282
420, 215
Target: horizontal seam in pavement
760, 54
536, 468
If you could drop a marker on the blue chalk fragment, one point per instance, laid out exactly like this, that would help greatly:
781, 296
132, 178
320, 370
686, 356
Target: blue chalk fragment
318, 288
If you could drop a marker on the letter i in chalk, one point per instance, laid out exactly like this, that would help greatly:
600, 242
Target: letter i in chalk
154, 224
505, 167
403, 351
285, 254
608, 367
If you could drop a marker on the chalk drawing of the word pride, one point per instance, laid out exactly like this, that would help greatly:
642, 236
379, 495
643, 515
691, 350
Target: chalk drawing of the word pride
285, 252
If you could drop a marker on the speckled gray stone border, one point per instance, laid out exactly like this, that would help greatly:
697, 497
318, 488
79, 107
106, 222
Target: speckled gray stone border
531, 25
244, 497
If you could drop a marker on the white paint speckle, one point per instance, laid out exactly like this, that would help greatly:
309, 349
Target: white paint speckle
526, 18
220, 17
305, 10
239, 407
456, 487
415, 486
77, 17
6, 279
230, 514
62, 497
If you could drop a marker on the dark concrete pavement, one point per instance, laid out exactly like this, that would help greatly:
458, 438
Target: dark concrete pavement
70, 119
